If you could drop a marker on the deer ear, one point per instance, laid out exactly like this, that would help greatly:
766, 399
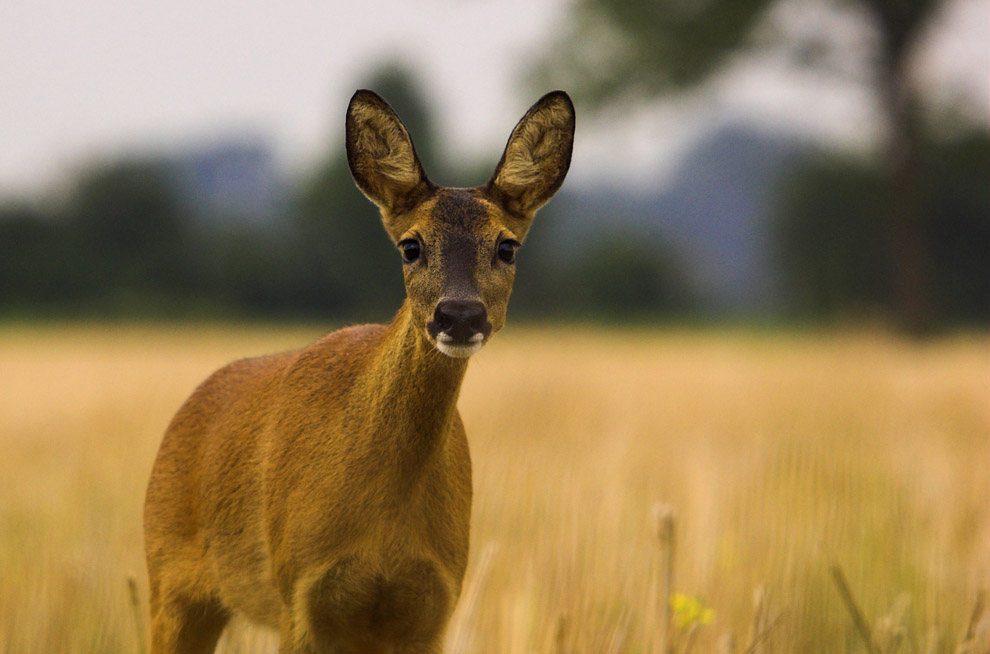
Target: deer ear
537, 156
381, 155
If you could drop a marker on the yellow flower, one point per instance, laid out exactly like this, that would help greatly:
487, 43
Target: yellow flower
689, 610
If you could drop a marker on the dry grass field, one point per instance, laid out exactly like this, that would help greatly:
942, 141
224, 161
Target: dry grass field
781, 454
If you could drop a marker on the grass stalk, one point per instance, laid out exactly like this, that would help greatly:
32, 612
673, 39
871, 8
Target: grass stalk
461, 633
617, 642
137, 613
971, 643
560, 634
762, 635
664, 519
974, 618
862, 628
690, 638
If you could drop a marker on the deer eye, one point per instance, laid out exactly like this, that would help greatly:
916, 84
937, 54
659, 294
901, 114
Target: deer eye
410, 250
507, 251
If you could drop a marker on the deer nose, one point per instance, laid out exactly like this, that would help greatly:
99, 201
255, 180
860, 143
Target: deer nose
462, 320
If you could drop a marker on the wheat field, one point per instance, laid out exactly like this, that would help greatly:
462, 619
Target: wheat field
781, 460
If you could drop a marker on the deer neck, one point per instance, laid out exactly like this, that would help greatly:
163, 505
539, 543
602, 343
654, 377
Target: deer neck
413, 389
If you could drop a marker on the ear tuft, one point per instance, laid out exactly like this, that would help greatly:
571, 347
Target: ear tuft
537, 155
381, 155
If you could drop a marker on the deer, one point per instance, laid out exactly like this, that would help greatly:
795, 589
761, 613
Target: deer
326, 492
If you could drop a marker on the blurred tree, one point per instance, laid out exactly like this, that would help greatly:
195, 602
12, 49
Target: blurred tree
346, 264
829, 236
624, 278
33, 259
128, 231
621, 49
542, 289
118, 243
615, 50
609, 275
956, 203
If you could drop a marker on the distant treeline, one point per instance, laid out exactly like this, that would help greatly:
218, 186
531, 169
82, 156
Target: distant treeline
834, 237
126, 242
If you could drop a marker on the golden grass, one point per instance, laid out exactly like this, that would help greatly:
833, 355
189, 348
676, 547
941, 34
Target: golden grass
782, 455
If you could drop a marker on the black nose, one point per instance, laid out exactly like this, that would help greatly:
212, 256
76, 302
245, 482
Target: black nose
460, 319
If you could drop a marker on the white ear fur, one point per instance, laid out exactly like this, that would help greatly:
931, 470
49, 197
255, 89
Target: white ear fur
381, 155
537, 155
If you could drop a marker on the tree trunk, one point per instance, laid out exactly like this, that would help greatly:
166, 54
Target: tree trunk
903, 167
908, 254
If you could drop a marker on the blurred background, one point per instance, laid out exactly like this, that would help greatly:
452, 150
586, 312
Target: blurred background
771, 161
769, 202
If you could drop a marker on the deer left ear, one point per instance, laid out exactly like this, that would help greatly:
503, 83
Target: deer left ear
381, 155
537, 156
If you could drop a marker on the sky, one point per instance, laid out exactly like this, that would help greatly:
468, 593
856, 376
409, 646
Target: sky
104, 77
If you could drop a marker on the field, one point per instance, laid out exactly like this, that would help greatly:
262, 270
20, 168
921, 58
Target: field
783, 457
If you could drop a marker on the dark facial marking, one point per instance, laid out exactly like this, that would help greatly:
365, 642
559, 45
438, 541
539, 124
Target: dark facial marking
458, 208
459, 255
460, 211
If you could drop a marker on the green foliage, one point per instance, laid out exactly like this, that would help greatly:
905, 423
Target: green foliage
833, 245
33, 258
614, 49
611, 51
830, 240
128, 228
345, 257
609, 276
624, 277
957, 211
120, 235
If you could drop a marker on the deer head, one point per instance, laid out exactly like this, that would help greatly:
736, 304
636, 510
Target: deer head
458, 246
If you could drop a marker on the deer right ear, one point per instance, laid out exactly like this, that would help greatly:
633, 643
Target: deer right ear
381, 155
537, 156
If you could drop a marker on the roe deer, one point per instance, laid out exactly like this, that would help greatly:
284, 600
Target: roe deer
326, 492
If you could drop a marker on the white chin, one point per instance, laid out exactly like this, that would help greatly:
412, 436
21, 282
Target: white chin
459, 351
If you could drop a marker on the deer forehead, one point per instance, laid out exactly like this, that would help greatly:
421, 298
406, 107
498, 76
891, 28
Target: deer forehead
458, 215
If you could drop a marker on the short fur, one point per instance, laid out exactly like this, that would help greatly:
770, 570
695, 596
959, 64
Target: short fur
326, 492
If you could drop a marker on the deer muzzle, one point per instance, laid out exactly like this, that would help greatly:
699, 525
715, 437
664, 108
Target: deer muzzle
459, 327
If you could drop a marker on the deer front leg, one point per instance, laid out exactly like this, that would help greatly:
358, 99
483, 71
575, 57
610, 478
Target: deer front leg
179, 626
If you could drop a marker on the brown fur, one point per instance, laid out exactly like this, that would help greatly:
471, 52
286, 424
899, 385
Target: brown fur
326, 492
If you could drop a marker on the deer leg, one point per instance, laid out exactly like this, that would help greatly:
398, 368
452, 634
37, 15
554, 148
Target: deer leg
290, 640
180, 626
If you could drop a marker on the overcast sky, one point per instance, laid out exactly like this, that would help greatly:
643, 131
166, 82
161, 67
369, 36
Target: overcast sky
101, 77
